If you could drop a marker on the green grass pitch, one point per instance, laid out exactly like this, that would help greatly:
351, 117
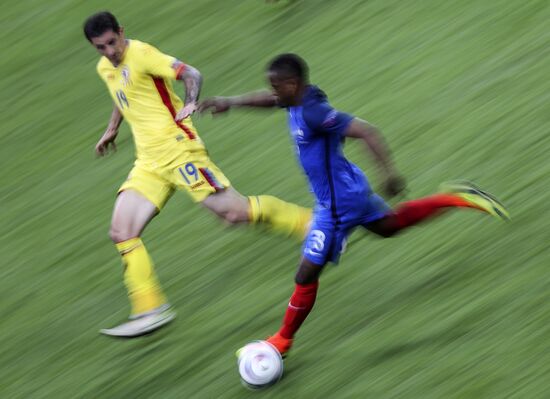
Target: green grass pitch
459, 309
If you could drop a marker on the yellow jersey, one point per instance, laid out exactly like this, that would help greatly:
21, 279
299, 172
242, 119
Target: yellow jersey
141, 87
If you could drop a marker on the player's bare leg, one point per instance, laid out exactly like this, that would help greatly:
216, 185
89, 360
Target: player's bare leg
229, 205
281, 216
150, 310
131, 214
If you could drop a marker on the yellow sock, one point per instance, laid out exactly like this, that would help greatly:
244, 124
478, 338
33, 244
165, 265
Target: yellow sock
283, 217
144, 290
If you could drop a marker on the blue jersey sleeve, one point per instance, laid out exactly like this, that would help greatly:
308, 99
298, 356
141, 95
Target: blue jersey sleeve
323, 119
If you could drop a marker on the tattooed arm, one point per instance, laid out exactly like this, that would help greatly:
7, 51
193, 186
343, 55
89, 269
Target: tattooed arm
192, 80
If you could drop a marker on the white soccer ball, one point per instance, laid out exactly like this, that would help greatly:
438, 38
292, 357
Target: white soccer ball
260, 365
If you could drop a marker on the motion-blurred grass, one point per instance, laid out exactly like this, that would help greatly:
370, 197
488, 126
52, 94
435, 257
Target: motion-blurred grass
458, 309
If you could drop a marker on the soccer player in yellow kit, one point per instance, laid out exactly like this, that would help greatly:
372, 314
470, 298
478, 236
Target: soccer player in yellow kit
170, 156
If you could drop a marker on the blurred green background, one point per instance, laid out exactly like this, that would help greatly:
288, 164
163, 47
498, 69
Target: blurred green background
457, 309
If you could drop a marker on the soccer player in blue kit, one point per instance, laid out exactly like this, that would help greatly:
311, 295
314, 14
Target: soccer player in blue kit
344, 198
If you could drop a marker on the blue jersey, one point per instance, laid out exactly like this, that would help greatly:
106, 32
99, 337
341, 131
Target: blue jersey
318, 131
343, 196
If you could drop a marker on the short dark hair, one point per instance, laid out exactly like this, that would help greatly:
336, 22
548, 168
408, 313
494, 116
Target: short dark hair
289, 66
99, 23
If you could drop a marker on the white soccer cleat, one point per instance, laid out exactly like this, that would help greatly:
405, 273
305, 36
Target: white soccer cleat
142, 324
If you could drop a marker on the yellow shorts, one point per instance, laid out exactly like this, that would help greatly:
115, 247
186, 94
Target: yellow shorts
193, 172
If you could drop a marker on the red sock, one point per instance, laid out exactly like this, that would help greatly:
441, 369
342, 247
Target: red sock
412, 212
300, 304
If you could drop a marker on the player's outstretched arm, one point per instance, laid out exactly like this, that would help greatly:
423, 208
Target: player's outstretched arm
192, 80
109, 137
360, 129
260, 99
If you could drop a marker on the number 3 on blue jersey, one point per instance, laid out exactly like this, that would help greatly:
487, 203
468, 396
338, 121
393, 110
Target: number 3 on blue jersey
122, 100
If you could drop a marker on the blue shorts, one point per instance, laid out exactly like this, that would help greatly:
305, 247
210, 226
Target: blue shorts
327, 236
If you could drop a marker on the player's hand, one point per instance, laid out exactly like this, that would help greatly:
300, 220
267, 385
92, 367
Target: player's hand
106, 142
215, 105
394, 184
186, 111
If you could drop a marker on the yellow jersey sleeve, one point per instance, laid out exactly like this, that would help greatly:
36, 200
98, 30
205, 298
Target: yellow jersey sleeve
156, 63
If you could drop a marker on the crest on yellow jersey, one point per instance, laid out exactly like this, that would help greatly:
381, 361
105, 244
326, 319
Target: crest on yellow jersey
125, 76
